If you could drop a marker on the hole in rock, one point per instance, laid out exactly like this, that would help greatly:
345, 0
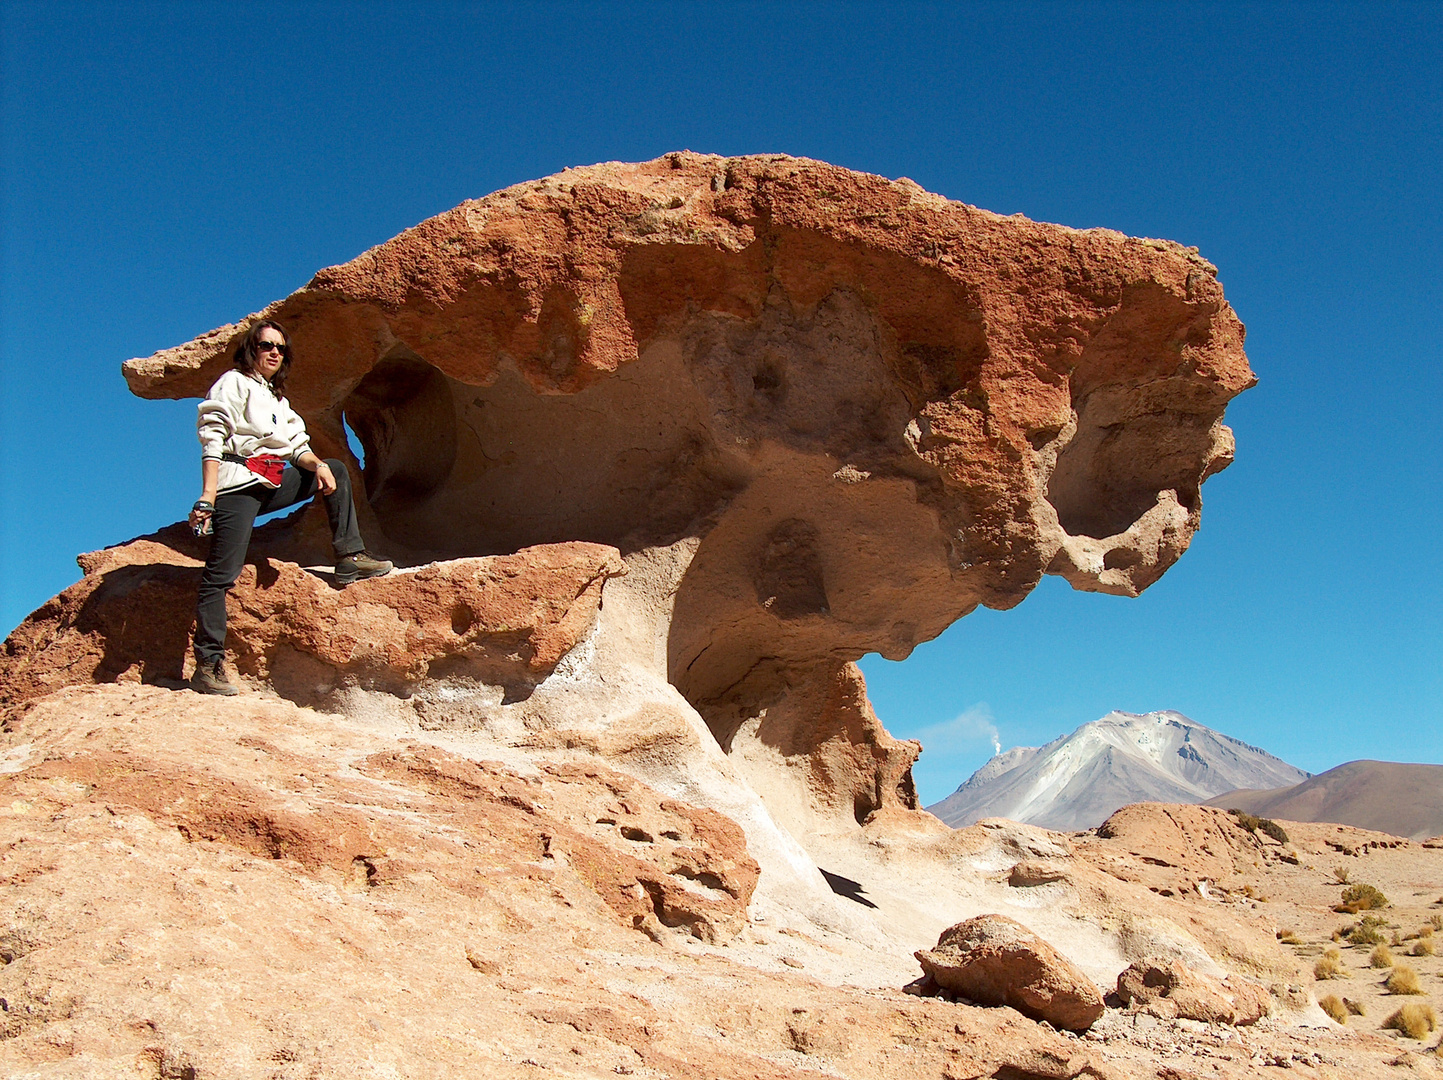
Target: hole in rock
704, 878
1121, 559
353, 443
631, 832
1136, 439
461, 619
402, 414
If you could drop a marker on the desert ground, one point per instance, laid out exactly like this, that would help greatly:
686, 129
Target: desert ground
245, 888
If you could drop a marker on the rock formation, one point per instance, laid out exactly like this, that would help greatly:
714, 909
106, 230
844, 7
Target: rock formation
858, 409
591, 783
993, 960
1170, 989
504, 621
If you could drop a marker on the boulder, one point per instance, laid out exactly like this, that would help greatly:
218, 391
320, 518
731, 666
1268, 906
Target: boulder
993, 960
1171, 990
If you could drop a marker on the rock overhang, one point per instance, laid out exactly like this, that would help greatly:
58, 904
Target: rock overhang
870, 408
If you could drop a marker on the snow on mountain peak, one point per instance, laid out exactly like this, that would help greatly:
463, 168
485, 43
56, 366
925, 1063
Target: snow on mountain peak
1078, 780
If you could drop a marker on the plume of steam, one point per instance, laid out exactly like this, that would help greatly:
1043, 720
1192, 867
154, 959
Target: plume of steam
961, 734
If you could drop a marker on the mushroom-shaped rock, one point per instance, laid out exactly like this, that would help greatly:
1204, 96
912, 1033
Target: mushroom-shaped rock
994, 960
1171, 990
879, 407
858, 409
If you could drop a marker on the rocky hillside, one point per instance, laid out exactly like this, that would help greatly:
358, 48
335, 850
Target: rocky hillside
1078, 780
1387, 796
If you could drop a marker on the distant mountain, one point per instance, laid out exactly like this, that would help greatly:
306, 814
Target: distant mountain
1078, 780
1389, 796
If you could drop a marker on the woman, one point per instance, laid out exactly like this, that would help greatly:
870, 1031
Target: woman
249, 435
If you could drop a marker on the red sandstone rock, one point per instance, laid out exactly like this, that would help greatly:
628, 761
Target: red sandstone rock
874, 407
1170, 989
505, 619
994, 960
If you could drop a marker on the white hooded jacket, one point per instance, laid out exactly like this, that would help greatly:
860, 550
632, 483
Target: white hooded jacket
241, 415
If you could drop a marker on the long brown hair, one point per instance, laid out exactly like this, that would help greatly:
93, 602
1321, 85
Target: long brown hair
245, 355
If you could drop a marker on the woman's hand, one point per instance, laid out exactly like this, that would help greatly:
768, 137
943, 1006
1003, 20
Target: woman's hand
324, 478
200, 516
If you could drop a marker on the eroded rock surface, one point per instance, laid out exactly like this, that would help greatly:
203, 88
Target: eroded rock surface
246, 888
868, 409
504, 621
1170, 989
994, 960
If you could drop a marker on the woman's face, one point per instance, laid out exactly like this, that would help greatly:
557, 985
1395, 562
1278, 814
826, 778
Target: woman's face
269, 353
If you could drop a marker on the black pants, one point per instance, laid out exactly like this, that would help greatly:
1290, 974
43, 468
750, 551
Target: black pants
235, 515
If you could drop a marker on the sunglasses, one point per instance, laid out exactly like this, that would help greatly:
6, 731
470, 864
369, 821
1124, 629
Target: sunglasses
267, 346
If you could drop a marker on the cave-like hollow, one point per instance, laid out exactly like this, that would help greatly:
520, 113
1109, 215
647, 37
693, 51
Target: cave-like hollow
784, 444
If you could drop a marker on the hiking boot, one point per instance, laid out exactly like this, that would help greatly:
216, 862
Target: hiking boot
209, 678
360, 566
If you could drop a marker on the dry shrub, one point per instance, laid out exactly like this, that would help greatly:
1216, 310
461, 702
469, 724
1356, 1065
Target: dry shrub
1423, 947
1360, 897
1334, 1008
1329, 965
1357, 1008
1426, 930
1273, 829
1267, 825
1436, 922
1289, 937
1367, 931
1413, 1020
1381, 957
1403, 980
1340, 875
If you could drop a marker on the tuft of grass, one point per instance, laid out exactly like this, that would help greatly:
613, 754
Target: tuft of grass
1357, 1008
1381, 957
1367, 931
1340, 875
1334, 1008
1436, 922
1423, 947
1289, 937
1412, 1021
1403, 980
1426, 930
1361, 897
1329, 966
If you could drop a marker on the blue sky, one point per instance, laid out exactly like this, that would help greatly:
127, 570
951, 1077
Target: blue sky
171, 167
